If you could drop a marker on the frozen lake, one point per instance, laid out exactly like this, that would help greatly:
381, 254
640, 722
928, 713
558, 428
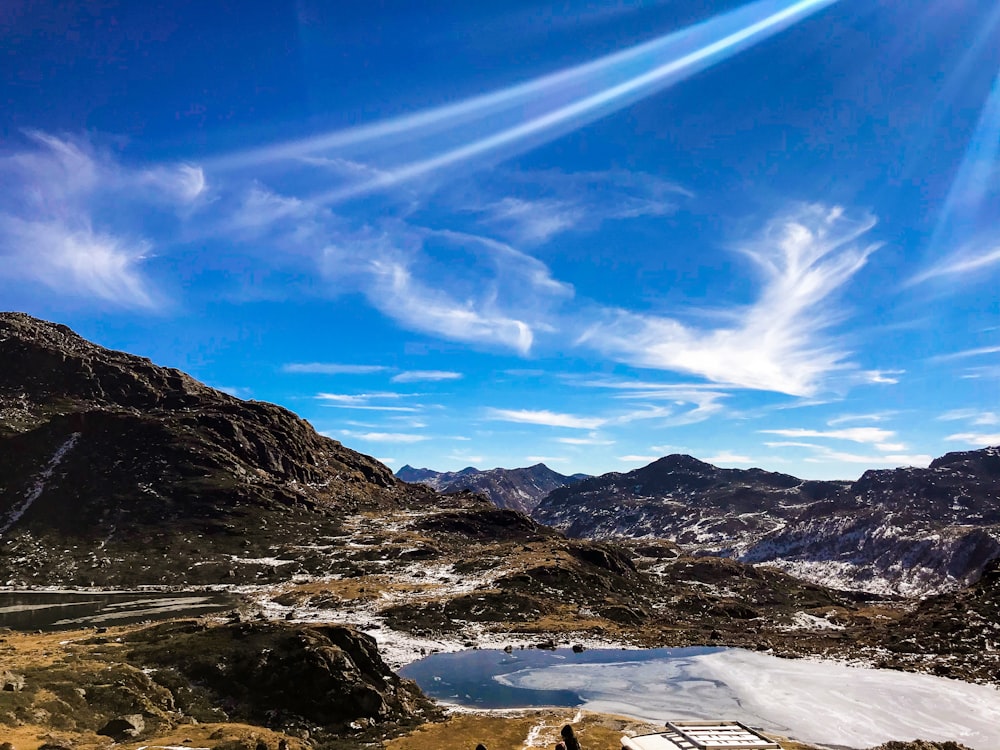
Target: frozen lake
824, 703
65, 610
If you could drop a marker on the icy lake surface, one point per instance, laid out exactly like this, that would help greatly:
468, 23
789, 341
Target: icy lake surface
820, 702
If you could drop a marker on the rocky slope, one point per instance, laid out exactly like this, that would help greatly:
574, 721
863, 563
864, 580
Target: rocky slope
907, 531
517, 489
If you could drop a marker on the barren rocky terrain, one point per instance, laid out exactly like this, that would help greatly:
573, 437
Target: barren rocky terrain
117, 473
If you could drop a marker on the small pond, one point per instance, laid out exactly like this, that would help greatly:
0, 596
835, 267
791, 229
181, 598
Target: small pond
821, 702
65, 610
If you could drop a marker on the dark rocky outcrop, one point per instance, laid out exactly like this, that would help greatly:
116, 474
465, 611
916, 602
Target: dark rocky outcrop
284, 676
147, 468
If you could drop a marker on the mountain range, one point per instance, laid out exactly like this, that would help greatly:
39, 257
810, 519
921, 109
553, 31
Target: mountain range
115, 472
516, 489
907, 531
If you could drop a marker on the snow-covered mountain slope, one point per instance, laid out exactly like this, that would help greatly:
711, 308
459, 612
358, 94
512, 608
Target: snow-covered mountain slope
904, 531
516, 489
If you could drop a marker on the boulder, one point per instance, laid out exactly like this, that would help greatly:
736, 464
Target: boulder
123, 728
11, 682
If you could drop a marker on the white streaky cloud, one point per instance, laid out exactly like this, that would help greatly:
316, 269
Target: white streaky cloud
980, 439
545, 418
891, 447
968, 219
494, 124
878, 416
974, 416
584, 441
503, 301
534, 221
76, 261
387, 461
539, 205
776, 343
64, 217
384, 437
853, 434
418, 376
546, 459
372, 407
357, 398
919, 460
825, 454
259, 209
961, 264
882, 377
184, 183
332, 368
727, 457
977, 352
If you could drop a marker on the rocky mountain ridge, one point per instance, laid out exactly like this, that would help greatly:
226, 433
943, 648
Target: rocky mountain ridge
517, 489
902, 531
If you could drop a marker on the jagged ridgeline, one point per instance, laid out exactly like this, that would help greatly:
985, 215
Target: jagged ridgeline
909, 531
115, 470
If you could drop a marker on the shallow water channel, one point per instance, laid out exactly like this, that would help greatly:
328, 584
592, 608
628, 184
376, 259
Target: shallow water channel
825, 703
65, 610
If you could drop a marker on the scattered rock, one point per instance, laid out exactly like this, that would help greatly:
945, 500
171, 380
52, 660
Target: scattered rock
123, 728
10, 682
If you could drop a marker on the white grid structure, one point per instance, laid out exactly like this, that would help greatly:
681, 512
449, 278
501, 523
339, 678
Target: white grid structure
702, 735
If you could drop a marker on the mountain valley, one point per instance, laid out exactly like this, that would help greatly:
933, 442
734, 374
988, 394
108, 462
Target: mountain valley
117, 473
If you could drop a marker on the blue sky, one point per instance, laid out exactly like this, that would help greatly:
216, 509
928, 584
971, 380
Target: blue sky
589, 233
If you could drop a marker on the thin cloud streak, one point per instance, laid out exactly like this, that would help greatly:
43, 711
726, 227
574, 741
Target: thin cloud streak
493, 122
853, 434
332, 368
978, 439
545, 418
418, 376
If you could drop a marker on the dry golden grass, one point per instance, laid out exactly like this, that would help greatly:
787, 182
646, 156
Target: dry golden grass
517, 730
524, 730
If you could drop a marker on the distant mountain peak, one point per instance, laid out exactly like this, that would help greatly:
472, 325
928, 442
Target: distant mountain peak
517, 489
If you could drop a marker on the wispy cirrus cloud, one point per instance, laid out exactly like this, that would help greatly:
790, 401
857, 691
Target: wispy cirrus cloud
533, 207
66, 217
826, 454
965, 354
384, 437
882, 377
973, 416
332, 368
419, 376
978, 439
776, 343
591, 440
969, 260
872, 435
493, 126
502, 301
878, 416
545, 418
357, 398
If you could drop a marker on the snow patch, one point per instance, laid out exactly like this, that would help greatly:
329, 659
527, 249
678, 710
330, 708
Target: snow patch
38, 484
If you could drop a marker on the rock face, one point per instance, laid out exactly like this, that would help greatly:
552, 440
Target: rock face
144, 465
516, 489
286, 676
907, 531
